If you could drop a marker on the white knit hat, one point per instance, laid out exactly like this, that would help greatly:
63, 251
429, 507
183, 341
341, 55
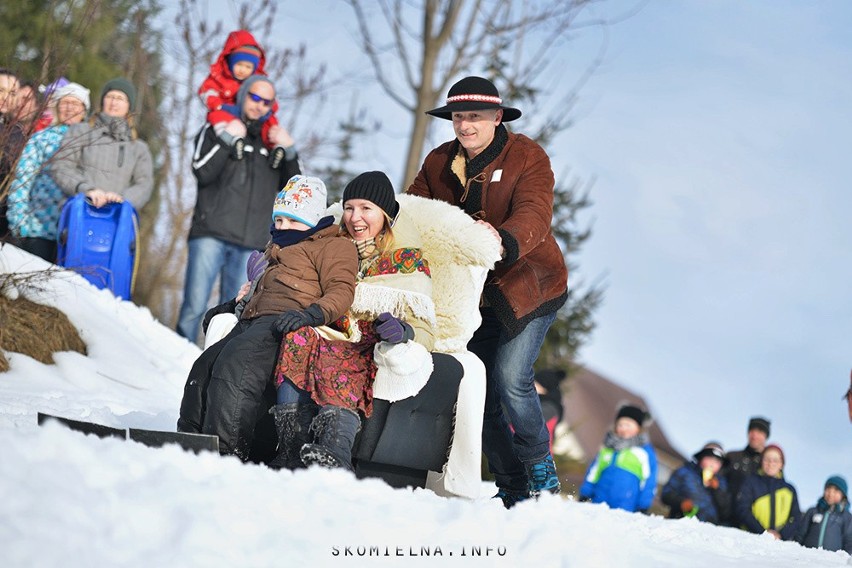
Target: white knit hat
75, 90
302, 199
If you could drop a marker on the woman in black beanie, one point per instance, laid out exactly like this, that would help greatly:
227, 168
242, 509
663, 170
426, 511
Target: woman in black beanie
376, 188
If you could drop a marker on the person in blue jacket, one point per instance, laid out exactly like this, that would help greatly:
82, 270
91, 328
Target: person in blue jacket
624, 473
828, 525
766, 501
696, 489
35, 201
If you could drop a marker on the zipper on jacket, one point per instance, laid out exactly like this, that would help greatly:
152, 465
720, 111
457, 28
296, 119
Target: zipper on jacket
252, 166
822, 526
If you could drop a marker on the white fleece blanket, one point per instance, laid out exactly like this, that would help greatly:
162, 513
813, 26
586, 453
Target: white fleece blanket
460, 254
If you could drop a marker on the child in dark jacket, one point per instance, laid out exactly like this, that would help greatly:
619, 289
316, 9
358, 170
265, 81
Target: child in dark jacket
241, 58
624, 473
309, 281
828, 525
766, 501
697, 490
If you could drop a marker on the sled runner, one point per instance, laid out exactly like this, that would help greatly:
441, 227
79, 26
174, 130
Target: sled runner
98, 430
100, 243
153, 438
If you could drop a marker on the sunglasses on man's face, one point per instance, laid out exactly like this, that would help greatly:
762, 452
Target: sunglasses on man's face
259, 99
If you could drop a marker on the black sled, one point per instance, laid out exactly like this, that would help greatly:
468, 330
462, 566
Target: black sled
153, 438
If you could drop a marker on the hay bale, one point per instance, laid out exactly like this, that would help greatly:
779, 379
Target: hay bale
35, 330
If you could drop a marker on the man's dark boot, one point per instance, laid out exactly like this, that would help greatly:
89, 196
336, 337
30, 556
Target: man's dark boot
511, 498
334, 431
292, 421
542, 477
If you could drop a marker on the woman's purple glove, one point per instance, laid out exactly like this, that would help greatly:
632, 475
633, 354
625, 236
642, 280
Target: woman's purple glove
256, 264
393, 330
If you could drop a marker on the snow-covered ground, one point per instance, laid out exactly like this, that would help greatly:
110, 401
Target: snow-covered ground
75, 500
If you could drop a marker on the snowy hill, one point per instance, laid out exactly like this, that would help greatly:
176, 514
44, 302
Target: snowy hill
70, 499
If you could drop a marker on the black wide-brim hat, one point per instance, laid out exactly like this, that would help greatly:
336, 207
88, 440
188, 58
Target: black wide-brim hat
474, 93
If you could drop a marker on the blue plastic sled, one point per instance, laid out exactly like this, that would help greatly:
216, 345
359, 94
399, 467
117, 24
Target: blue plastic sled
99, 243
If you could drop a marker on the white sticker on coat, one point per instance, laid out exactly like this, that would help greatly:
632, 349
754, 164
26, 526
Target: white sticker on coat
496, 175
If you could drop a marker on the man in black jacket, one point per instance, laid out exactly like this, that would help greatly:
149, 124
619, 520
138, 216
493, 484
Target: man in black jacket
234, 205
742, 464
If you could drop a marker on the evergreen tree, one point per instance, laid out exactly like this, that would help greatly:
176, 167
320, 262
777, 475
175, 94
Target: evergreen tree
91, 42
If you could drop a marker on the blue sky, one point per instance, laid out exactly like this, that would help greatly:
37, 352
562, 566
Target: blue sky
719, 135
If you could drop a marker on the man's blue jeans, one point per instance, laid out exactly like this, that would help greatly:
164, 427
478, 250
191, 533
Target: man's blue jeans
509, 384
208, 258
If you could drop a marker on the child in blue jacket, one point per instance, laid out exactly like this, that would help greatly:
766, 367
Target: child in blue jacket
697, 490
624, 473
829, 524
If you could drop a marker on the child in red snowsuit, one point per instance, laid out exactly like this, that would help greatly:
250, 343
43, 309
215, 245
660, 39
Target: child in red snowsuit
241, 57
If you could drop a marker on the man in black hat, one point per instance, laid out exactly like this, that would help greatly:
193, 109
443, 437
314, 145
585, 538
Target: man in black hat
504, 181
747, 461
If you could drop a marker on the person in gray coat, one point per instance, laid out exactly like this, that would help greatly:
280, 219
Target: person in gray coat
828, 525
103, 158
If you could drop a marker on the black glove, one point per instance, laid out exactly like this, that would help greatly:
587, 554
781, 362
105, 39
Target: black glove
295, 319
393, 330
225, 308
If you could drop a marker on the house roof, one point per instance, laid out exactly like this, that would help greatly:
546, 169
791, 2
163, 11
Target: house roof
591, 403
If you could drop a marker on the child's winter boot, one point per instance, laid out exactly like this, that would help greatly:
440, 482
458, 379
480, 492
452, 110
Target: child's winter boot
239, 148
276, 157
292, 421
334, 431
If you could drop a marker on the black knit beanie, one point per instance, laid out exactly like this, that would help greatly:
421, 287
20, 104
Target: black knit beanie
633, 412
374, 187
759, 423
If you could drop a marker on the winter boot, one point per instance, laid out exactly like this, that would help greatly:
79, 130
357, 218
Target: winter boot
292, 421
239, 148
542, 477
276, 157
511, 498
334, 431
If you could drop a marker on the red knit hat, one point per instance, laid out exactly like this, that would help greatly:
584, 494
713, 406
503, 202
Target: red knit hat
777, 448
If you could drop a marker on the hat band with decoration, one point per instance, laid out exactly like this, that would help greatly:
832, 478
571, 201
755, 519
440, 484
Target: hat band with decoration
474, 98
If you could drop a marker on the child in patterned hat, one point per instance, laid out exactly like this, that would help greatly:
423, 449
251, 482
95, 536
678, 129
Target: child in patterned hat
241, 58
298, 213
